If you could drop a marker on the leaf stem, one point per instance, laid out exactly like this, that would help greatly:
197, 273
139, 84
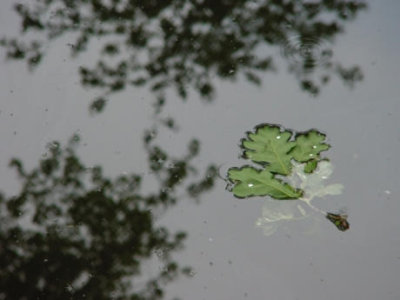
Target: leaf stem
317, 209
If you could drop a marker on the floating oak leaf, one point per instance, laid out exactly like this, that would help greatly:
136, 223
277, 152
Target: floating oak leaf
276, 150
308, 147
251, 182
292, 169
270, 145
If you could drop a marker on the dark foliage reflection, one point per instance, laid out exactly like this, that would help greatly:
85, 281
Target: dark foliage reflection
185, 43
73, 233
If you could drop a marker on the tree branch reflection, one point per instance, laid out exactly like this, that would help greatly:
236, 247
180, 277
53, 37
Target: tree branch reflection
73, 233
186, 43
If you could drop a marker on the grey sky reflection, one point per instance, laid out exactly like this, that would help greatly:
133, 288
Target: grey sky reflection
362, 125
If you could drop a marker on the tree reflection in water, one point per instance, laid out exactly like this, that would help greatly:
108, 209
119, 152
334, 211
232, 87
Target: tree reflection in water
73, 233
185, 43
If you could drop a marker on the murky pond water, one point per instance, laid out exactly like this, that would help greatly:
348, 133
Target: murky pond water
121, 120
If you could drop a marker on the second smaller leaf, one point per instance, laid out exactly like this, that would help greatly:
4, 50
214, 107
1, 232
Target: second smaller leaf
309, 145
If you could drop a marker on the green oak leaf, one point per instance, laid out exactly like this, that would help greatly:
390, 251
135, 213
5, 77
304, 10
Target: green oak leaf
308, 147
271, 146
292, 169
276, 149
252, 182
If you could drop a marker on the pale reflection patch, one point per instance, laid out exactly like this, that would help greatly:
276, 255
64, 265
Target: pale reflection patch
276, 213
